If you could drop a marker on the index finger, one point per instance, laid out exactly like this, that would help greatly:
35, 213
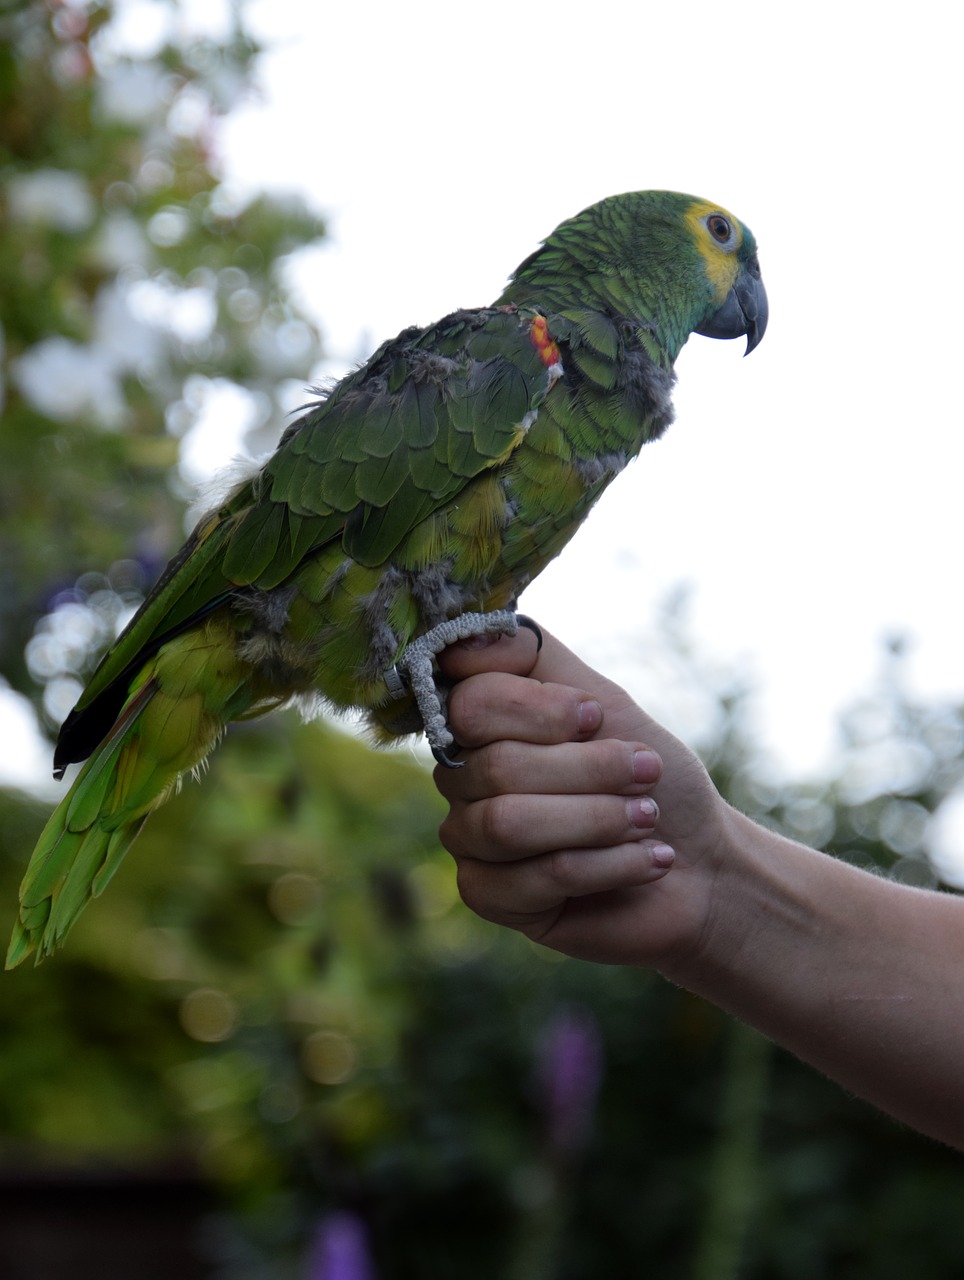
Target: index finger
516, 654
521, 655
495, 705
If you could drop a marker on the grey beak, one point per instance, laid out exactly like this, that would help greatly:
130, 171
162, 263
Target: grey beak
744, 311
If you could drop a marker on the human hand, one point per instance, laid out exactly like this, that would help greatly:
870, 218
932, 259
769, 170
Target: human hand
551, 822
852, 972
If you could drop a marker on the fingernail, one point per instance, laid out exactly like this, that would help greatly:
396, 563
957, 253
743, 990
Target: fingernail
647, 766
662, 855
642, 812
589, 715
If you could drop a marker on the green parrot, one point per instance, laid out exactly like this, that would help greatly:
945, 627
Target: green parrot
407, 509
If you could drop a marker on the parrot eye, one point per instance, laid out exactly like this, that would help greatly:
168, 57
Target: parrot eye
719, 228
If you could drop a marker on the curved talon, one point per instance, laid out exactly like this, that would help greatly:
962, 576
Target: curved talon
440, 755
530, 624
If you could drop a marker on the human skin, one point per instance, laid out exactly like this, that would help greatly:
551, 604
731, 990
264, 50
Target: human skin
554, 833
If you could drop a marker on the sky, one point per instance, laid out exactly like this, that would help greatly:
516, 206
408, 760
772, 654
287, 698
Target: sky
807, 499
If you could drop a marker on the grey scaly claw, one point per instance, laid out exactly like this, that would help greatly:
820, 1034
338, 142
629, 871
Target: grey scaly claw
415, 667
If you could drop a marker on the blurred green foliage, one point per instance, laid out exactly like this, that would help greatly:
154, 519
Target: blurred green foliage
282, 985
132, 281
280, 989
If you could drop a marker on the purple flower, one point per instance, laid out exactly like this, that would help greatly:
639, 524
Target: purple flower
569, 1071
340, 1249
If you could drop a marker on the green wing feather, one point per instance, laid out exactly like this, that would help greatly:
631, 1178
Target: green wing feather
394, 443
390, 445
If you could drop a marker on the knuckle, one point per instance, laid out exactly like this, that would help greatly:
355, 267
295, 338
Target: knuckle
471, 882
560, 868
467, 716
474, 830
499, 766
476, 707
499, 826
446, 782
452, 832
465, 883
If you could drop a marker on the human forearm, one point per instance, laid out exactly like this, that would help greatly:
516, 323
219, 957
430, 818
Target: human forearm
851, 972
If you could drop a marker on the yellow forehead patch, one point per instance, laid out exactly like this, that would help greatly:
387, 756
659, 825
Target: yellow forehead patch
721, 263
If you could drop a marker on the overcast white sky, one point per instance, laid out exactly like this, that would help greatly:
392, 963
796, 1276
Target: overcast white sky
810, 495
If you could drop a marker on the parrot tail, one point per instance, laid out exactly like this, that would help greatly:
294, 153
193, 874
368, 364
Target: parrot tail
158, 735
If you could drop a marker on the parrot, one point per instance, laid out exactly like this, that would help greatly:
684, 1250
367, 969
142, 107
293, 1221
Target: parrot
406, 508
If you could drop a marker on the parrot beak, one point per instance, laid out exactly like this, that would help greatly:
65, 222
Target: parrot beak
744, 310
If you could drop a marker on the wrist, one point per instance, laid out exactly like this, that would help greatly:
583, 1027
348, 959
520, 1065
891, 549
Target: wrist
759, 888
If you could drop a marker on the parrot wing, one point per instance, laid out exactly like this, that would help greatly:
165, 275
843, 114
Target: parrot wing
400, 439
391, 444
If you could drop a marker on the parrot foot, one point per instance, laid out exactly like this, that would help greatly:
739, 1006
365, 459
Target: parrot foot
415, 668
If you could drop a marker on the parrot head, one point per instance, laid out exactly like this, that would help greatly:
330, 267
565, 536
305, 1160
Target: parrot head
682, 263
729, 254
